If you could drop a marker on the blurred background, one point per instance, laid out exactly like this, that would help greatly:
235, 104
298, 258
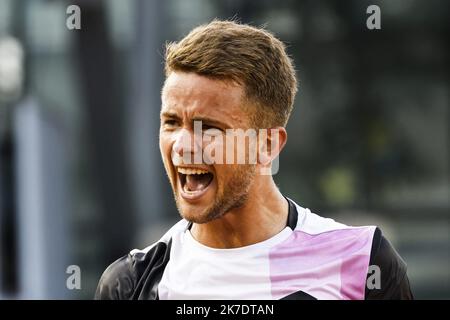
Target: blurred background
81, 180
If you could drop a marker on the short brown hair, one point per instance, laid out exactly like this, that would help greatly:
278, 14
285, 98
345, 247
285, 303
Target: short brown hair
250, 56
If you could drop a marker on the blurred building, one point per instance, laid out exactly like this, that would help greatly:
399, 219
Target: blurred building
81, 180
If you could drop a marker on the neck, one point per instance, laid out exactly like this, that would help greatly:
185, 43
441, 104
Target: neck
262, 216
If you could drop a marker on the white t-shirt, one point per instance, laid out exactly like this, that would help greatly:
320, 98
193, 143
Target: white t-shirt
312, 258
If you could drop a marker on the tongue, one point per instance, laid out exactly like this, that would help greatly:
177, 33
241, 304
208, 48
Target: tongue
197, 182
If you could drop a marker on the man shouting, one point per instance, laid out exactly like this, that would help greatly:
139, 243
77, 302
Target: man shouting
227, 97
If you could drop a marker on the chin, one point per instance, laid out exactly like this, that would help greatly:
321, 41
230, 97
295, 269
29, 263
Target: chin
200, 211
195, 213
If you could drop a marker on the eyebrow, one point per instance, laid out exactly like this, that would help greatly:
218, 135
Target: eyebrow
210, 121
168, 114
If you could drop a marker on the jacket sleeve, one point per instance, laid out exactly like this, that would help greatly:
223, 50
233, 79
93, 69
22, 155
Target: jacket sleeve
116, 282
394, 282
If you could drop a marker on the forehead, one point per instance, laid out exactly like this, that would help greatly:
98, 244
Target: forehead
193, 95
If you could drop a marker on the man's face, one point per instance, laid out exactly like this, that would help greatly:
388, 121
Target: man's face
202, 192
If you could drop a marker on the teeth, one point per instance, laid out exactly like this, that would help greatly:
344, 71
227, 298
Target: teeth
191, 171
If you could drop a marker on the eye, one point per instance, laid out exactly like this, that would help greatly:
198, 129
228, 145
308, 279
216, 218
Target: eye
212, 131
207, 127
170, 123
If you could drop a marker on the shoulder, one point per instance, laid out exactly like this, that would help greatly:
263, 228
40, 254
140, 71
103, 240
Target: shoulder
122, 278
387, 277
363, 251
325, 230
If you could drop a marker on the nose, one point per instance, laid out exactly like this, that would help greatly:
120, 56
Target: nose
186, 144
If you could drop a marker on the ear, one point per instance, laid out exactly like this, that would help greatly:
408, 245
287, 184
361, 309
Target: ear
270, 143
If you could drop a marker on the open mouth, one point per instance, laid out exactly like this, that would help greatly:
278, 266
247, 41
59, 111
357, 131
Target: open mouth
194, 182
